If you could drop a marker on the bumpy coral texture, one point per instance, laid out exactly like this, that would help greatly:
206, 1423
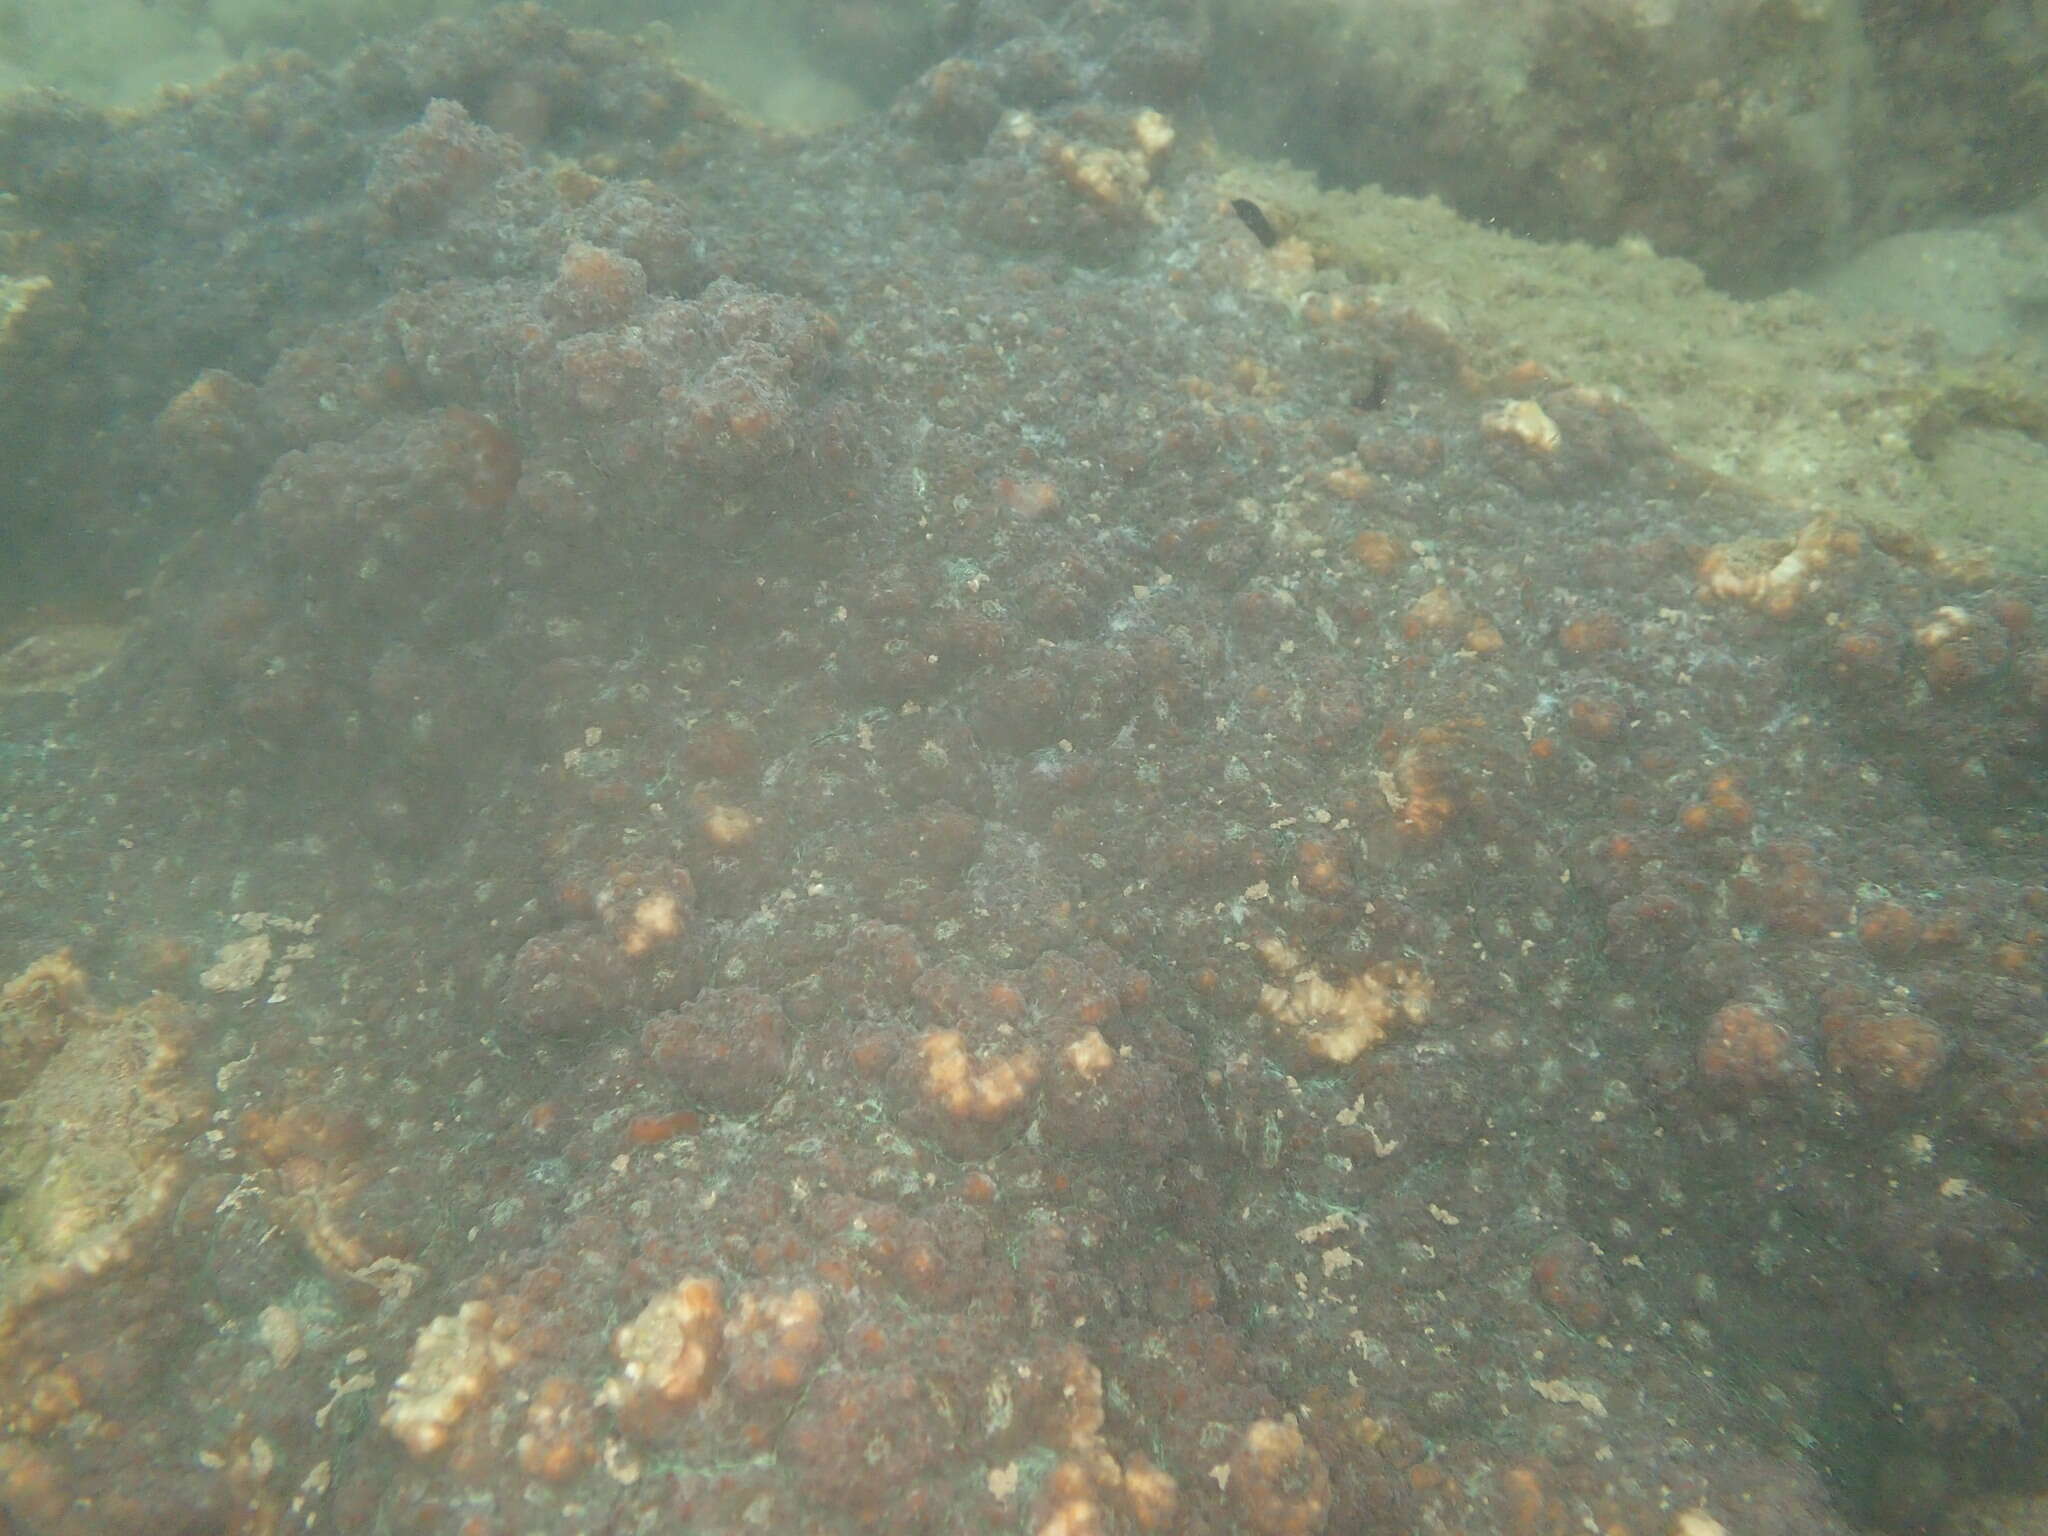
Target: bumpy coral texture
948, 848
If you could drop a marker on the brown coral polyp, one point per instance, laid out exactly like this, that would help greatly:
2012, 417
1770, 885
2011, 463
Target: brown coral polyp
1885, 1056
1744, 1050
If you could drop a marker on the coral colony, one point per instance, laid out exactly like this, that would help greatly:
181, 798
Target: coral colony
898, 833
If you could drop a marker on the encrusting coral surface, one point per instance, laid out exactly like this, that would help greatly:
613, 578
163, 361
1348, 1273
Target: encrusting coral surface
893, 833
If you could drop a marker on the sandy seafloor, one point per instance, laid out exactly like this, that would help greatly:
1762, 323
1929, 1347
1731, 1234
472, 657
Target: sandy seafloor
877, 828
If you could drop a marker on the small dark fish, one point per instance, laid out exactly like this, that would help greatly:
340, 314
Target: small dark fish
1374, 393
1255, 220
